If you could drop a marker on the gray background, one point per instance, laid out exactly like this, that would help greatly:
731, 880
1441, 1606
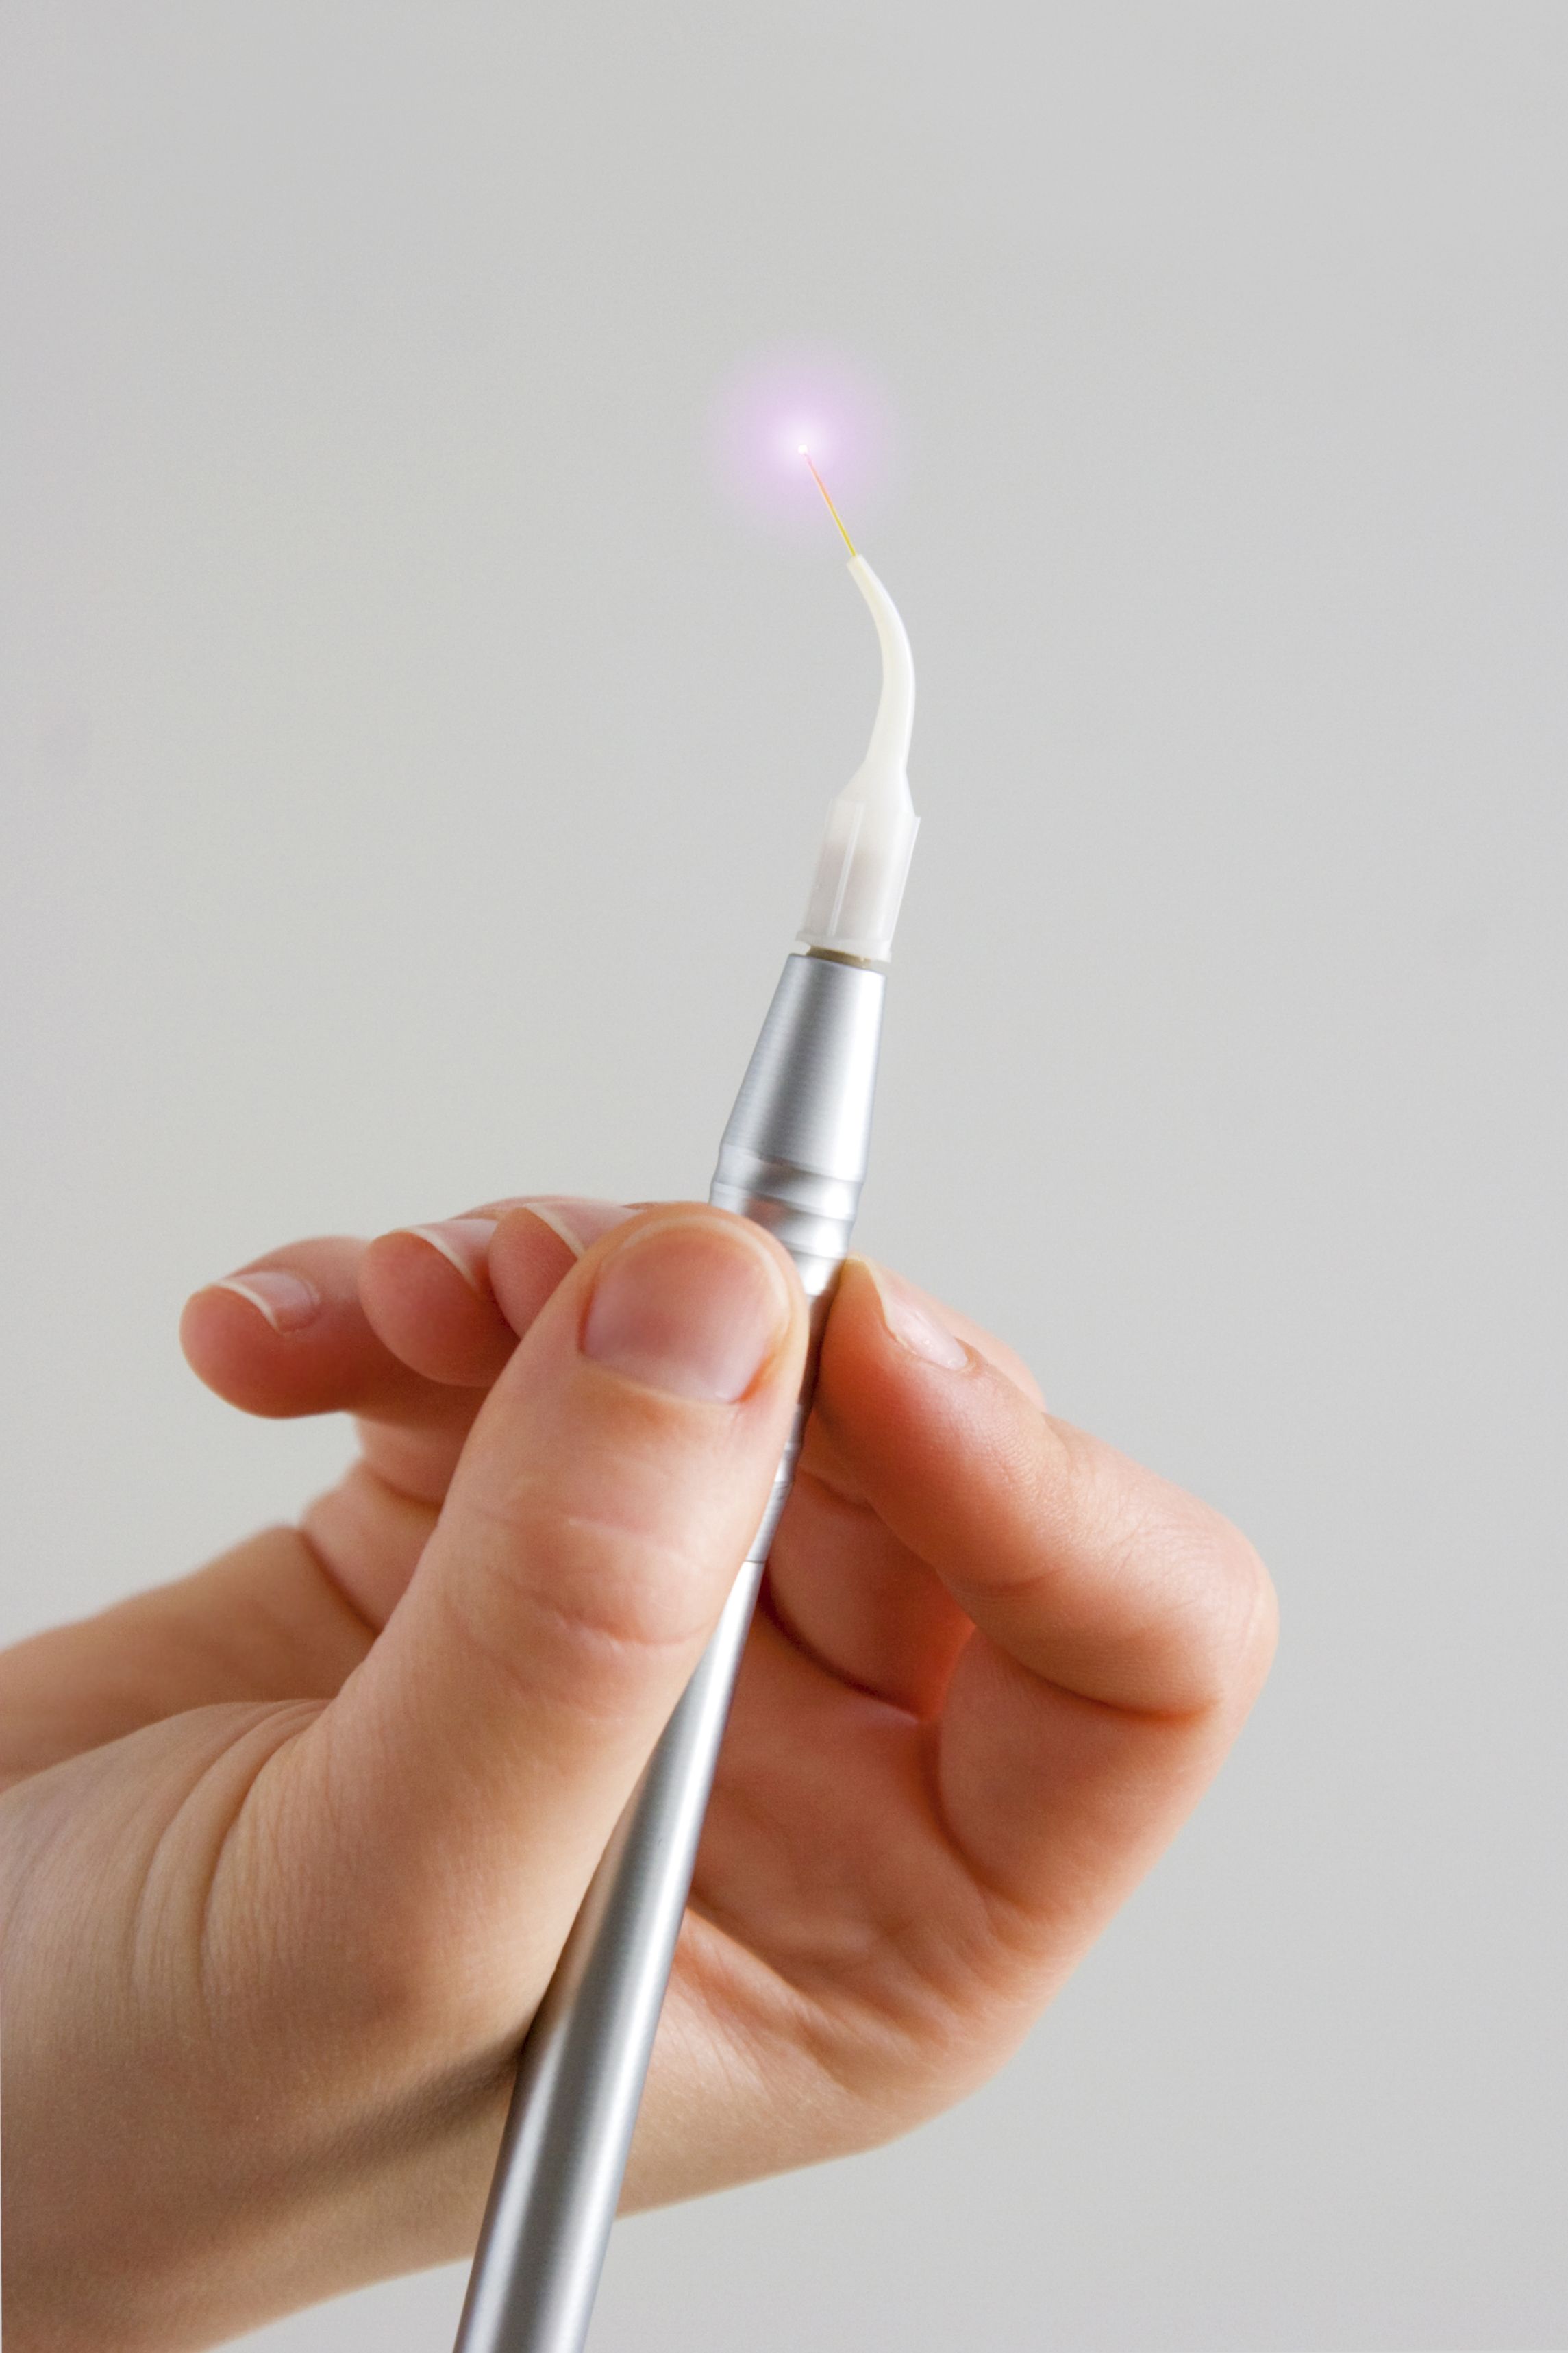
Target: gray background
412, 771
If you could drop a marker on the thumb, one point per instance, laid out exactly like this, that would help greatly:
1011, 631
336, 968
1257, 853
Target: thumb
446, 1809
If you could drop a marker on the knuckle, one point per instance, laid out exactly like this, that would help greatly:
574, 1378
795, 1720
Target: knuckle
1204, 1599
600, 1603
608, 1593
1230, 1613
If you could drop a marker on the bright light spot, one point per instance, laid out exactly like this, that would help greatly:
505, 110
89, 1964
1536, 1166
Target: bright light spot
785, 405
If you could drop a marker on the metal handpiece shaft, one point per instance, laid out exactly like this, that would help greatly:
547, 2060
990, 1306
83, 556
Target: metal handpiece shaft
793, 1159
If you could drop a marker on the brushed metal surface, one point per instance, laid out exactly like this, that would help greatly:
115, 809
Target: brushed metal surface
794, 1158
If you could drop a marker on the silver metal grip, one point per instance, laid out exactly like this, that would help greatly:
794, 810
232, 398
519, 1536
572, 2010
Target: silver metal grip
793, 1154
793, 1159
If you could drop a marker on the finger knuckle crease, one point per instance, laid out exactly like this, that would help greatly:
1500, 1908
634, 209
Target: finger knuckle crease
597, 1588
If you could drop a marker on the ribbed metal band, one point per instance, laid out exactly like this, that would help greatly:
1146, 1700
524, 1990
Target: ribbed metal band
793, 1154
793, 1159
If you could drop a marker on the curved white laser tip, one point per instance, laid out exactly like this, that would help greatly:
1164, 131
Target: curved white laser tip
864, 862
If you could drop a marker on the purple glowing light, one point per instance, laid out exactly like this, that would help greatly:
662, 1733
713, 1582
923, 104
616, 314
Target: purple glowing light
784, 403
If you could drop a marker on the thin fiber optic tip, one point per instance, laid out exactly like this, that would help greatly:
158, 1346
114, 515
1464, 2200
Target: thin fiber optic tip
832, 510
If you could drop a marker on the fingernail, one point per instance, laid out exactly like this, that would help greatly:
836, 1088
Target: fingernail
465, 1243
579, 1223
695, 1307
287, 1300
910, 1317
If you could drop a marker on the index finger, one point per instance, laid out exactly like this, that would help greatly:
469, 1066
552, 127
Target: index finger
1122, 1626
1095, 1573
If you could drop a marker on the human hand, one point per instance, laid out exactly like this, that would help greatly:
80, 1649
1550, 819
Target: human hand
292, 1844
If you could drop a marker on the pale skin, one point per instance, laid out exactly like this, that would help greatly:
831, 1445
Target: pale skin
291, 1845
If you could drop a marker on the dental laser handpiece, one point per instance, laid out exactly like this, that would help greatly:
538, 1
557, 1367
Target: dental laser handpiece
793, 1159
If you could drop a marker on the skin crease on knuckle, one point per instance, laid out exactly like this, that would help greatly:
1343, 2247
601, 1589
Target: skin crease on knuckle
594, 1637
1221, 1600
1194, 1585
604, 1602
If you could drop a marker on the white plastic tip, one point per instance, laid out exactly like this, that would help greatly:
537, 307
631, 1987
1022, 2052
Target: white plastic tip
864, 862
